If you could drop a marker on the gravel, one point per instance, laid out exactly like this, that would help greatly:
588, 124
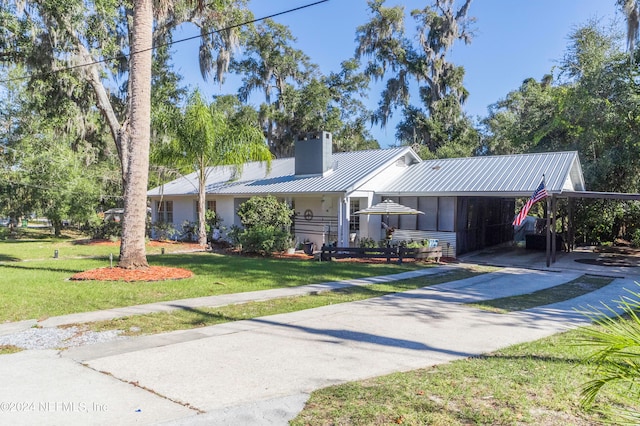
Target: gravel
58, 338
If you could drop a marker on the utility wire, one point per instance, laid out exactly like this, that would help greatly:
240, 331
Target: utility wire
171, 43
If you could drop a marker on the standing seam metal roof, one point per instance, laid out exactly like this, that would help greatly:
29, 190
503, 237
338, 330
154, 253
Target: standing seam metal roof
348, 169
514, 175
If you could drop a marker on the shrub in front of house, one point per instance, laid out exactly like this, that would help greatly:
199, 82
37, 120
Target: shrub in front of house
266, 223
263, 239
162, 230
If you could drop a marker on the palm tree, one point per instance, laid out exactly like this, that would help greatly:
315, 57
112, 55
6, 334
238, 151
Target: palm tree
616, 359
205, 136
132, 247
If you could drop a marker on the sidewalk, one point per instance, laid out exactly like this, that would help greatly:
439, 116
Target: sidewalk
213, 301
260, 371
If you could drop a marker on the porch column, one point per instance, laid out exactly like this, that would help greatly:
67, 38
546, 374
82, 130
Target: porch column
343, 221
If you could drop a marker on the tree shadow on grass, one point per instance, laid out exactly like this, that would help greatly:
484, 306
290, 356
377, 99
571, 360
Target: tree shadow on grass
33, 268
7, 258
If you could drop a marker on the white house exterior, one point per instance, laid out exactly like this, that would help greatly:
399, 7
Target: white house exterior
468, 202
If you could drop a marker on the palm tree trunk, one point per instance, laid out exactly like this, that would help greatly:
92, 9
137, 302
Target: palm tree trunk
202, 204
132, 248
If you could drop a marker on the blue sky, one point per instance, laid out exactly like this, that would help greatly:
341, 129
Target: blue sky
514, 40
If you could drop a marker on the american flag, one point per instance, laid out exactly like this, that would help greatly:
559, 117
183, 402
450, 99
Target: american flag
539, 194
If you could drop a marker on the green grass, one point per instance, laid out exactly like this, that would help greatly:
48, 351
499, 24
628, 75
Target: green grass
40, 288
535, 383
40, 244
201, 317
9, 349
581, 285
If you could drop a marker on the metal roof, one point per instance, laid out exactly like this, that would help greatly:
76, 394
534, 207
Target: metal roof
503, 175
350, 169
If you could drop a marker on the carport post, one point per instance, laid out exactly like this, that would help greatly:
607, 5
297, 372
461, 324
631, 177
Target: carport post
554, 210
548, 232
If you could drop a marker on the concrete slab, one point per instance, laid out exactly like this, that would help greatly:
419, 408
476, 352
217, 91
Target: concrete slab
16, 327
261, 371
512, 256
277, 357
40, 387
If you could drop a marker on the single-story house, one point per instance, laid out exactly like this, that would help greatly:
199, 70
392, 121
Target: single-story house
468, 203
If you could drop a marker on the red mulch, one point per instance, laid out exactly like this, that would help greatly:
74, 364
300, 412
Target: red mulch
152, 273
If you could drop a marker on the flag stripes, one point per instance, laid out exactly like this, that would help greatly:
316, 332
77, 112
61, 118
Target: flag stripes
539, 194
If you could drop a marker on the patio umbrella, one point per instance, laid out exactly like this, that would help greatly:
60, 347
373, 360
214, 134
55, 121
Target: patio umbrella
388, 207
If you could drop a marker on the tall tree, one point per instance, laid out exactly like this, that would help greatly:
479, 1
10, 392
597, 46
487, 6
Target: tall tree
136, 159
394, 58
45, 168
591, 107
297, 98
272, 65
94, 36
631, 10
211, 135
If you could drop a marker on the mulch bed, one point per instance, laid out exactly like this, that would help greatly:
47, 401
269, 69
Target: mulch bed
152, 273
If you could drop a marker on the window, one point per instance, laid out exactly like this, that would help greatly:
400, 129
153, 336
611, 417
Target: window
439, 213
210, 205
354, 222
446, 213
429, 220
165, 211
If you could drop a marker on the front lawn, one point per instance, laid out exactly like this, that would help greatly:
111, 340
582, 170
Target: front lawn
33, 287
536, 383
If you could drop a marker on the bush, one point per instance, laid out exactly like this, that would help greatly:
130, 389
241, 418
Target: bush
106, 230
162, 230
266, 222
212, 221
615, 358
635, 238
189, 231
367, 242
264, 239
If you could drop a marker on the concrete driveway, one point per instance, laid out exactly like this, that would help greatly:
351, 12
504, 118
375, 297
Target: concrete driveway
261, 371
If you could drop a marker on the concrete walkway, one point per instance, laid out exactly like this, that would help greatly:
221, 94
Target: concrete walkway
261, 371
214, 301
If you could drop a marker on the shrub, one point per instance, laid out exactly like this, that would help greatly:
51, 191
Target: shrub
162, 230
264, 239
189, 231
635, 238
266, 222
367, 242
106, 230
